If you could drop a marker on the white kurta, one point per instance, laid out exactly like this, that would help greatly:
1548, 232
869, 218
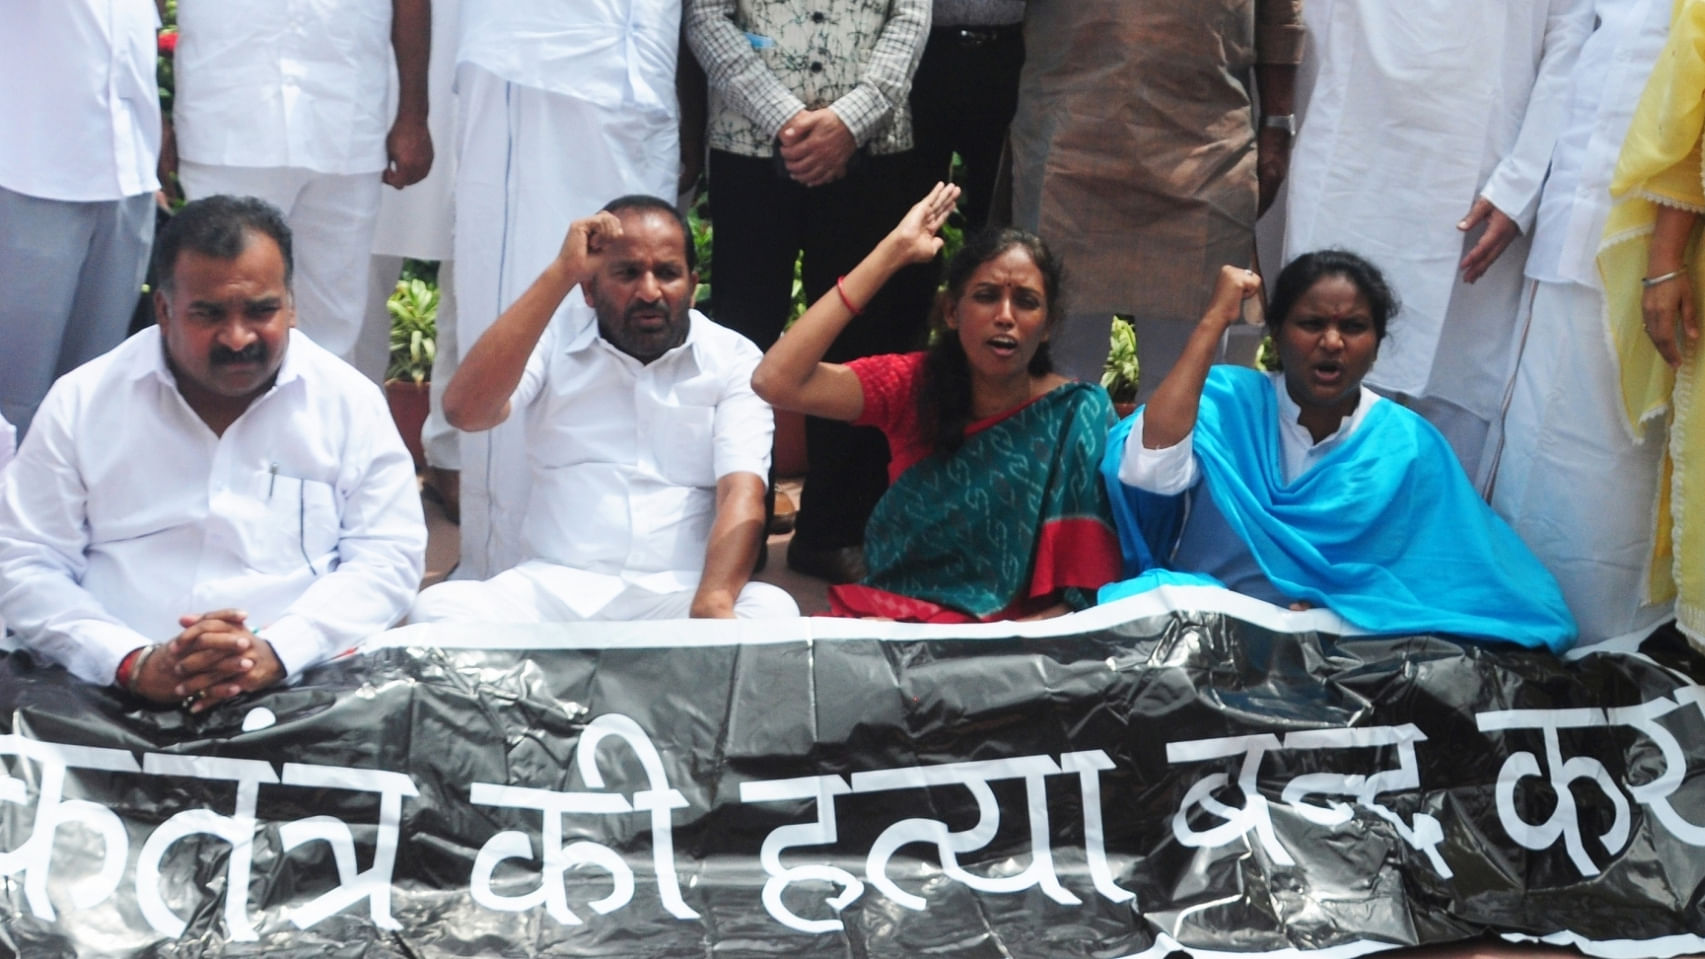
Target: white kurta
123, 511
1417, 108
626, 458
81, 111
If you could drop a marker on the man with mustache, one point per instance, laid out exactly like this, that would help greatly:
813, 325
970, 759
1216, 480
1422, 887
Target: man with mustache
649, 450
217, 503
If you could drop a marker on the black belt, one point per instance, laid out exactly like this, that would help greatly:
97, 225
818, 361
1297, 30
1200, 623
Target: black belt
978, 36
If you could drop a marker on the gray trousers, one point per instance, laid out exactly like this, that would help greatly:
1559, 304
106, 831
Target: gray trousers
70, 275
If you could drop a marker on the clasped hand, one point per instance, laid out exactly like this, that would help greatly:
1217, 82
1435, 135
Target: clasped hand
816, 147
214, 658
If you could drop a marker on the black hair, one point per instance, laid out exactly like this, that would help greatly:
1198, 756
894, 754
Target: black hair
645, 202
218, 226
1300, 275
944, 396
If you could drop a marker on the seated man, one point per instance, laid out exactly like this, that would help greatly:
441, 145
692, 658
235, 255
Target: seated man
648, 447
1320, 492
217, 503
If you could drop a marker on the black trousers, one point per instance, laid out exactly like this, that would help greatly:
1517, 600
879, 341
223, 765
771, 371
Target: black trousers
762, 221
963, 98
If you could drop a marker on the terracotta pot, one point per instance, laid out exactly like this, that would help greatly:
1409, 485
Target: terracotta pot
1124, 409
409, 403
789, 456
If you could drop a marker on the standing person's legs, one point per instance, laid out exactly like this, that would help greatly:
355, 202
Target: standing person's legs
757, 227
333, 219
1571, 478
441, 441
756, 219
373, 347
1079, 348
71, 274
963, 97
110, 281
849, 465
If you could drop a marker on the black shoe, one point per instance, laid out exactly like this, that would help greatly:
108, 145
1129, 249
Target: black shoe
837, 564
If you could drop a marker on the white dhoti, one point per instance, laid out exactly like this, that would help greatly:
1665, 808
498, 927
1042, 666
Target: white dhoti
530, 162
537, 591
1569, 477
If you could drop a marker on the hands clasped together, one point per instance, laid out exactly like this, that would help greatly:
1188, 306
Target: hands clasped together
214, 658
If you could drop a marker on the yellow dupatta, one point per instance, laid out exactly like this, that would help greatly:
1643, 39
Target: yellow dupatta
1661, 164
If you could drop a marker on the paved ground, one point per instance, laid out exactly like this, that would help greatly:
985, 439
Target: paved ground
443, 543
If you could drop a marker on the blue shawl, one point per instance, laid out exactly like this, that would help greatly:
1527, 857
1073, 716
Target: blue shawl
1385, 530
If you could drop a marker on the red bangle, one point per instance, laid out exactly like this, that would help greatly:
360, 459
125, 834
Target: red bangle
127, 668
845, 301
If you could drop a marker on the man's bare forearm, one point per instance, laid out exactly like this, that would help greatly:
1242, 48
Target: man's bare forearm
735, 537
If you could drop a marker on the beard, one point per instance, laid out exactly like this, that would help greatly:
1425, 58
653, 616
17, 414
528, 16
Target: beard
644, 331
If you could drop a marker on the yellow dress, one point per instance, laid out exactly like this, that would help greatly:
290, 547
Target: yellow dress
1661, 164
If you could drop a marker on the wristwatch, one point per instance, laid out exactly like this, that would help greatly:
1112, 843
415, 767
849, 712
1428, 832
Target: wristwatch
1280, 121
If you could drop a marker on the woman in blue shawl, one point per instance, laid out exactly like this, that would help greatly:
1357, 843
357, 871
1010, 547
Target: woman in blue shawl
1304, 488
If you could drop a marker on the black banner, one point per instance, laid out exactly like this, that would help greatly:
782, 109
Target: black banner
1121, 783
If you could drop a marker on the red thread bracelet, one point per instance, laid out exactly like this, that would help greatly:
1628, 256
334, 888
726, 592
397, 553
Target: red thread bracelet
126, 672
845, 300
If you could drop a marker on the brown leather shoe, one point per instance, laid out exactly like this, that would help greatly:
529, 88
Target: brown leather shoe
786, 511
836, 564
444, 487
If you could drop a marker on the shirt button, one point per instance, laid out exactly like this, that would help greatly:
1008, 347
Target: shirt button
816, 67
818, 17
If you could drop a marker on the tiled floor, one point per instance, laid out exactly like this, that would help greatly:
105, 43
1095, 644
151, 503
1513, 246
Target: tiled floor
443, 543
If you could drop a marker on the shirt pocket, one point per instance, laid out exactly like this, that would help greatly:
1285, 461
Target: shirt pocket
684, 446
296, 525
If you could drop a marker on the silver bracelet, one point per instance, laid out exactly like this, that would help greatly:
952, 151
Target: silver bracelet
136, 674
1650, 281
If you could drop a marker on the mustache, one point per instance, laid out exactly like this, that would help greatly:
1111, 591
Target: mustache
639, 308
255, 352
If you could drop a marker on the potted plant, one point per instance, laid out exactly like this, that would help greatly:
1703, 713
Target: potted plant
1121, 373
414, 330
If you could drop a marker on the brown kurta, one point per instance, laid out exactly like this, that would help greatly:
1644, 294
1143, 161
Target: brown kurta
1134, 143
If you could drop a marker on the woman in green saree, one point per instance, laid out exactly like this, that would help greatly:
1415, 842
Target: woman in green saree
993, 509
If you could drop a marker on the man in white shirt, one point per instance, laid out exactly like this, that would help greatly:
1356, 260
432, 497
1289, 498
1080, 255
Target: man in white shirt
218, 503
562, 104
286, 102
81, 116
649, 449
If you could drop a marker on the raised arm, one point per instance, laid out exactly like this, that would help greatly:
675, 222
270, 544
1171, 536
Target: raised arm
478, 395
793, 375
1171, 414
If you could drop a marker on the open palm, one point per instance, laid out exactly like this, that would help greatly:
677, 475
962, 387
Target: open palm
917, 235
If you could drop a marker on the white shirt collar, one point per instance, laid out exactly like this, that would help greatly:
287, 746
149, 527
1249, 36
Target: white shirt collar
1297, 445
